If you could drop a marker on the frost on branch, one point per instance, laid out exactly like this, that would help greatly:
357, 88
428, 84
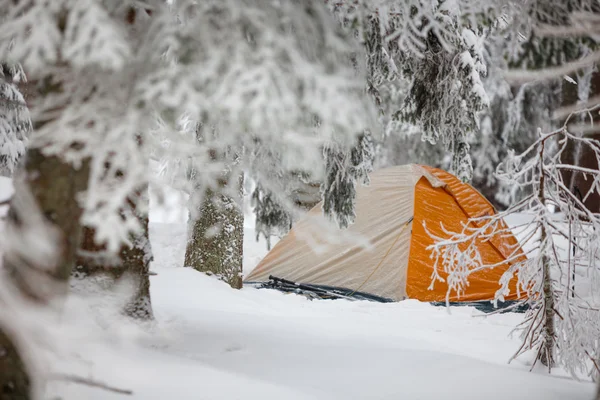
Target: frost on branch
509, 123
547, 33
15, 123
272, 219
560, 237
275, 74
279, 82
282, 193
440, 54
343, 171
446, 95
278, 71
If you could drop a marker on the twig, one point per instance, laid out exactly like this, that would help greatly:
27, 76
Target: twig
529, 330
5, 202
593, 361
89, 382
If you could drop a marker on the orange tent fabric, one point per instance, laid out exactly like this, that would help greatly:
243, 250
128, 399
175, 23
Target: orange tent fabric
384, 252
453, 205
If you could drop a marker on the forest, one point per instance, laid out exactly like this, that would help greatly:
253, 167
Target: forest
162, 161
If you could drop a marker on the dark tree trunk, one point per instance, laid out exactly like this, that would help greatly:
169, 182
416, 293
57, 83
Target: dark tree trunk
216, 236
54, 186
136, 262
95, 266
45, 200
46, 188
14, 380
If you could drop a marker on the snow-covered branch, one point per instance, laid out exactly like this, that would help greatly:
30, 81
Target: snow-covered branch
561, 236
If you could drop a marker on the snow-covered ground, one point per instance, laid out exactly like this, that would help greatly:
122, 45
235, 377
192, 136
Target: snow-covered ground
211, 342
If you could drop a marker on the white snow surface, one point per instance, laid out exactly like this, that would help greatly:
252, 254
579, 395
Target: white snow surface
212, 342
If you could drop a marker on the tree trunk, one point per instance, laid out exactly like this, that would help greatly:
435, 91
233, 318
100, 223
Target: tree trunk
215, 238
597, 391
46, 188
546, 354
54, 186
14, 380
136, 263
96, 267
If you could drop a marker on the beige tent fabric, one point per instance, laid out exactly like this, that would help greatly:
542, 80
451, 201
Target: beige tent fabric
370, 256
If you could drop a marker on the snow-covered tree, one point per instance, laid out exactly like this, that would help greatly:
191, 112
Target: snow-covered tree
509, 124
561, 325
288, 49
558, 39
275, 74
515, 109
552, 39
288, 62
344, 170
287, 195
15, 122
272, 219
430, 46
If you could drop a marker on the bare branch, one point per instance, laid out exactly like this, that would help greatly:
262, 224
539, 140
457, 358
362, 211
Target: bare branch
90, 382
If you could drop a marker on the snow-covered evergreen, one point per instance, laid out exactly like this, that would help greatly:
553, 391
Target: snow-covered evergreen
272, 219
261, 74
430, 47
344, 170
254, 74
295, 94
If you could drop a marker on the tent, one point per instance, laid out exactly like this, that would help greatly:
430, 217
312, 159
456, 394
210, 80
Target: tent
384, 253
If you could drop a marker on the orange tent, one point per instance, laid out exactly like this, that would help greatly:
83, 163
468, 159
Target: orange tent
384, 253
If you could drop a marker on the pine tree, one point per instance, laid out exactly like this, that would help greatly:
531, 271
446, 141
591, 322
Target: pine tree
106, 70
272, 219
561, 326
343, 171
430, 48
299, 103
280, 195
216, 224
